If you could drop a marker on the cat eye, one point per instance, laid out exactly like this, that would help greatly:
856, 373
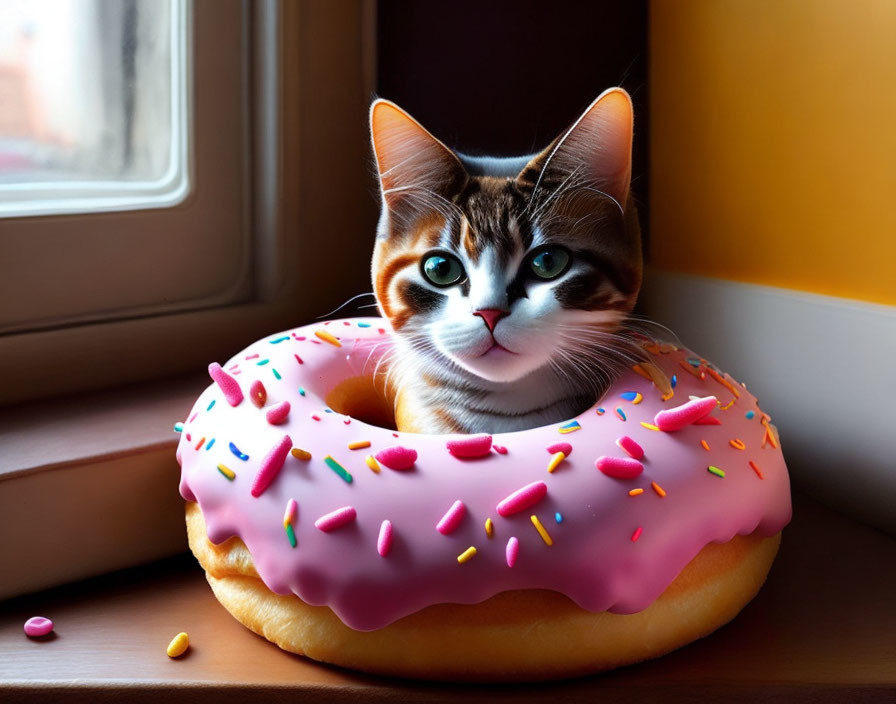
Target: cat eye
549, 262
442, 269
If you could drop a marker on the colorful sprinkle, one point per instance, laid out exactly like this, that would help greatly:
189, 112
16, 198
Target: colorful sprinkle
708, 420
252, 356
397, 457
658, 489
314, 416
211, 405
636, 534
563, 447
178, 645
363, 325
291, 534
723, 381
636, 492
38, 626
621, 414
228, 385
467, 555
685, 414
300, 454
470, 446
489, 527
327, 337
555, 461
271, 466
558, 517
649, 426
715, 470
276, 374
619, 467
541, 531
359, 444
634, 450
512, 551
737, 444
338, 468
674, 381
227, 471
750, 415
384, 540
301, 391
210, 444
262, 362
632, 396
756, 469
279, 340
178, 427
372, 463
336, 519
570, 427
705, 445
200, 443
258, 394
600, 411
452, 518
500, 449
278, 414
292, 510
523, 498
299, 360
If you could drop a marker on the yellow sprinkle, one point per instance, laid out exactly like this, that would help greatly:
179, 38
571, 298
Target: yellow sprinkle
327, 337
658, 489
556, 459
178, 645
300, 454
649, 426
635, 492
372, 463
489, 527
359, 445
737, 444
705, 445
466, 555
226, 471
541, 531
638, 398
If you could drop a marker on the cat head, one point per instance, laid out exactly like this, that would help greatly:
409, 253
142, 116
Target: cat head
506, 266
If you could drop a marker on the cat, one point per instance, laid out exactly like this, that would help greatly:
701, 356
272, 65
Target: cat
507, 281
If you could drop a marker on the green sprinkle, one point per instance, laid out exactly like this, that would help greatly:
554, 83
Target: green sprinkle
276, 374
226, 471
211, 405
718, 472
179, 427
291, 534
262, 363
338, 468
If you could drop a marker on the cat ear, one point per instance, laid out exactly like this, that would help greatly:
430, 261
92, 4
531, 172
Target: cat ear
411, 162
596, 151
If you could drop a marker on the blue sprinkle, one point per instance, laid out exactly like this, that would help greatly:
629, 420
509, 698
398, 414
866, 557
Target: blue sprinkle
327, 410
301, 391
601, 411
178, 427
674, 380
570, 427
750, 415
276, 374
694, 362
363, 325
629, 395
211, 405
209, 444
235, 450
621, 414
262, 362
558, 517
279, 340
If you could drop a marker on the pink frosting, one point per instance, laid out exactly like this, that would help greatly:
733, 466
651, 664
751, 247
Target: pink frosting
367, 547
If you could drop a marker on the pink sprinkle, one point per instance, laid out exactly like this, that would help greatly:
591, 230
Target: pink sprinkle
228, 384
619, 467
563, 447
233, 366
300, 339
470, 446
252, 356
685, 414
500, 449
258, 394
336, 519
347, 421
451, 520
192, 418
384, 541
292, 510
381, 331
636, 534
512, 551
314, 416
345, 322
708, 420
38, 626
397, 457
522, 499
298, 359
278, 414
271, 466
631, 447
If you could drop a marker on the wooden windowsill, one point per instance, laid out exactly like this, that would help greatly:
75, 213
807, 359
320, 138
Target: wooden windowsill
820, 630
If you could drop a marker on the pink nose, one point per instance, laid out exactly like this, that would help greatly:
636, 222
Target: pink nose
491, 316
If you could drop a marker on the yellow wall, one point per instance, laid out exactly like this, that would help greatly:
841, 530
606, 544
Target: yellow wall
773, 142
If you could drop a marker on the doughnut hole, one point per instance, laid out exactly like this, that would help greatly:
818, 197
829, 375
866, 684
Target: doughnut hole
363, 400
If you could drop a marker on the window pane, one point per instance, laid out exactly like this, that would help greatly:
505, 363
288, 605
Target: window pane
92, 105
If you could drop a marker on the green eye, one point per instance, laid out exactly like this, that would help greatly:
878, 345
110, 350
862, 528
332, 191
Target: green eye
442, 269
550, 263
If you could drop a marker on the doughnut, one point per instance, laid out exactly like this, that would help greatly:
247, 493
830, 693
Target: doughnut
642, 524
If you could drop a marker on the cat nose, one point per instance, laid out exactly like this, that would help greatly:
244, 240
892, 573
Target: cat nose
491, 316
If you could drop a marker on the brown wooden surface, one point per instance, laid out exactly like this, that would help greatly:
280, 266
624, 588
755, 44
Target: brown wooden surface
822, 629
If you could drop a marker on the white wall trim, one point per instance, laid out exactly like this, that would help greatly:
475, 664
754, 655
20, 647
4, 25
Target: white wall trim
824, 368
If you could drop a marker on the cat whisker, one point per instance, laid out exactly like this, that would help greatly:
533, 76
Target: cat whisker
343, 305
